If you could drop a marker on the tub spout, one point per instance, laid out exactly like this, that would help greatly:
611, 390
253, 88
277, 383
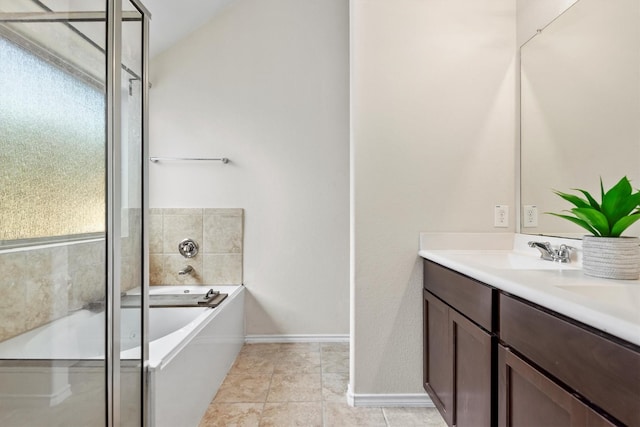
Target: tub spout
187, 270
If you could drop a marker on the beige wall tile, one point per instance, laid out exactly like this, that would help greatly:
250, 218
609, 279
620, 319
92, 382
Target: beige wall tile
224, 211
182, 211
222, 233
89, 253
41, 285
222, 269
12, 290
175, 263
13, 294
87, 284
155, 233
156, 269
12, 321
176, 228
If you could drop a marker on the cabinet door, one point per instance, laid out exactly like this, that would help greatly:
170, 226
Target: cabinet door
472, 358
528, 398
438, 361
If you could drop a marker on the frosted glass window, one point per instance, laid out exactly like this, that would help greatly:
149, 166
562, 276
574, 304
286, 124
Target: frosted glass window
52, 149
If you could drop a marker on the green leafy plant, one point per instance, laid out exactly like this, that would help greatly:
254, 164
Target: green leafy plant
618, 209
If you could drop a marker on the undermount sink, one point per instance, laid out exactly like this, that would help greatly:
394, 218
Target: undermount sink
513, 261
618, 294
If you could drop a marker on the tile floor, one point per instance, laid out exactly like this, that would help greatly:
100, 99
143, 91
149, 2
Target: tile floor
300, 385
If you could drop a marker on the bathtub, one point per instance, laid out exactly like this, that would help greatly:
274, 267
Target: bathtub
188, 365
190, 352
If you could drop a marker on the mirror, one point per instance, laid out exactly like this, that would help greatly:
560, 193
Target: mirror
580, 108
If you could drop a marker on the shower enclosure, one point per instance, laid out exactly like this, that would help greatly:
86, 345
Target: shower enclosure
73, 203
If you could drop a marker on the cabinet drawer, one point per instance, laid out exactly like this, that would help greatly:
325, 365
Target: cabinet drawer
601, 370
468, 296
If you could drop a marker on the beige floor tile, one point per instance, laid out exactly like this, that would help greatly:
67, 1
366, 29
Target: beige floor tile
413, 417
254, 363
335, 346
306, 414
334, 386
245, 388
295, 388
260, 348
293, 362
338, 414
304, 347
232, 415
303, 384
333, 361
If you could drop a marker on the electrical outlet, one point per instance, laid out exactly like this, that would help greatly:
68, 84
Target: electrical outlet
501, 216
530, 216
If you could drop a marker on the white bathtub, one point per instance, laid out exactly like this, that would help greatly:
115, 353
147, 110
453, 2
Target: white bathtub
190, 353
188, 365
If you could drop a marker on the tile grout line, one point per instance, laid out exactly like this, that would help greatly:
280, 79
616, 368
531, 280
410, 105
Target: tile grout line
322, 410
266, 397
384, 416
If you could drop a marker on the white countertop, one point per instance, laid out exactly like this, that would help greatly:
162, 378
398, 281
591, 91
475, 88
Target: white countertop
507, 263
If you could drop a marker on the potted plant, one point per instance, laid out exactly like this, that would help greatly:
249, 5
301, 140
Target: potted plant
605, 253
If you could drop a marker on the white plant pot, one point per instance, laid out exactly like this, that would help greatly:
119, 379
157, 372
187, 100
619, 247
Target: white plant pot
611, 257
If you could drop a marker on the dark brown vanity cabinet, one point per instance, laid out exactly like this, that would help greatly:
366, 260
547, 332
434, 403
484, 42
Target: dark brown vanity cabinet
492, 359
459, 356
554, 371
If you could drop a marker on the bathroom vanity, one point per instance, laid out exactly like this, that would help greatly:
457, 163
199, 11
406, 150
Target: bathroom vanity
511, 341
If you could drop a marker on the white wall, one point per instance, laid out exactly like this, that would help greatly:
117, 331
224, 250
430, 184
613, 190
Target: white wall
433, 146
533, 15
265, 83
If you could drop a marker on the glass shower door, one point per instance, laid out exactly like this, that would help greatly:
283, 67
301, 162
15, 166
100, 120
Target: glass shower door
53, 207
71, 212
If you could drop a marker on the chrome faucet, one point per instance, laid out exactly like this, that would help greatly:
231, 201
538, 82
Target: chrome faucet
187, 270
562, 254
546, 251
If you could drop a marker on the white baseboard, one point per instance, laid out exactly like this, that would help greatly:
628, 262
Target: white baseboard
389, 400
256, 339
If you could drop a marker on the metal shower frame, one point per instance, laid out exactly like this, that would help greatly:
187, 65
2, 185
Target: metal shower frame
114, 17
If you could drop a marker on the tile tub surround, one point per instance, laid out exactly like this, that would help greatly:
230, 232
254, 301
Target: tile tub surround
41, 284
219, 234
300, 384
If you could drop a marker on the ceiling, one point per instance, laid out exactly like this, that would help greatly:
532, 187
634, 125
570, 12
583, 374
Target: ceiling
173, 20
